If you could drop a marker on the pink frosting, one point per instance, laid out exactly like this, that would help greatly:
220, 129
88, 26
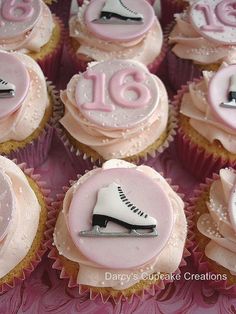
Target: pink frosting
33, 39
190, 44
111, 141
26, 119
7, 204
202, 118
18, 239
217, 226
144, 49
165, 260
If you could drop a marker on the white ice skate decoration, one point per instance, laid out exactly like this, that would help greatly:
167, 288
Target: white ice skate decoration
231, 94
113, 205
116, 12
7, 90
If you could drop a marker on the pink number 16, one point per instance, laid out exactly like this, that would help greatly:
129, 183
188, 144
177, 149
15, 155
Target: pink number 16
222, 13
117, 87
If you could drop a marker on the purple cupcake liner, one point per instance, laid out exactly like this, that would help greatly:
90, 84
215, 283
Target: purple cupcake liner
180, 71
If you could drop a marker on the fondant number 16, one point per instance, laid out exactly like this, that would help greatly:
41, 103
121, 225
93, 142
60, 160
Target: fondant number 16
221, 13
118, 85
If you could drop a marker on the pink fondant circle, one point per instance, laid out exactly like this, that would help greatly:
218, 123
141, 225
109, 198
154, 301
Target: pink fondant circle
123, 253
218, 93
7, 204
112, 114
216, 21
121, 32
13, 71
17, 17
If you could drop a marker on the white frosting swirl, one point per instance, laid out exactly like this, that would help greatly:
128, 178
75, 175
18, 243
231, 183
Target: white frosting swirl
216, 224
36, 38
25, 220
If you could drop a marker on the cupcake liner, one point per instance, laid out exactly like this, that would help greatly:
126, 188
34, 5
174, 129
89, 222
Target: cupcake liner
82, 158
50, 64
36, 152
26, 272
62, 9
194, 158
169, 8
95, 293
77, 64
187, 68
203, 264
158, 66
80, 161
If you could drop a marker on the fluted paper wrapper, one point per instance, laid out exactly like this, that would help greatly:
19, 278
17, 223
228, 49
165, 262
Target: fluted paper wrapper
51, 63
169, 8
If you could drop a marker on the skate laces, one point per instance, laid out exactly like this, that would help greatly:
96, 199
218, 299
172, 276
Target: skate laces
2, 82
127, 8
131, 206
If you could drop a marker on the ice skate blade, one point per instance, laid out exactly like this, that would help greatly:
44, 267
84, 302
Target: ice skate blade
7, 94
115, 21
95, 232
230, 104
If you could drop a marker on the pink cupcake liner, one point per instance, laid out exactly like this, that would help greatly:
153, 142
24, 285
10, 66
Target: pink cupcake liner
36, 152
200, 260
50, 64
169, 8
26, 272
194, 158
152, 290
81, 160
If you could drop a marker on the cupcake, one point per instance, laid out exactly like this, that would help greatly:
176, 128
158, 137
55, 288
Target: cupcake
120, 232
214, 230
23, 214
111, 29
30, 28
27, 107
202, 38
207, 132
117, 109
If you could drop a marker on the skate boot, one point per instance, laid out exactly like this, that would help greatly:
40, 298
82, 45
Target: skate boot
7, 90
113, 205
116, 12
